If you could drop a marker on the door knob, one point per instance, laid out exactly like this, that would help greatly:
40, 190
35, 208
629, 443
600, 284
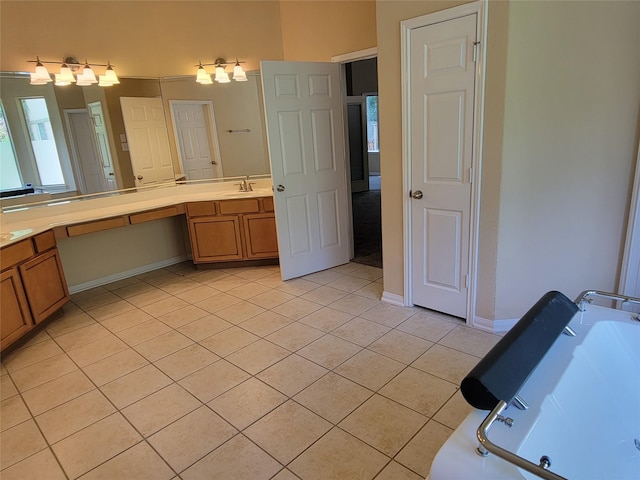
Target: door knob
139, 177
280, 188
213, 162
417, 194
111, 174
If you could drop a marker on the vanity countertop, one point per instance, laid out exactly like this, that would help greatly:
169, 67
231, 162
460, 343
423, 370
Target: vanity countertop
19, 224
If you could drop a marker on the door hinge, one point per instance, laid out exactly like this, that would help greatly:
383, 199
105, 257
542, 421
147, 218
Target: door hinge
475, 51
466, 281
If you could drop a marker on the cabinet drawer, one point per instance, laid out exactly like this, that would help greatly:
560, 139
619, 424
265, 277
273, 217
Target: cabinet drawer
96, 226
244, 205
201, 209
16, 253
45, 241
153, 215
267, 202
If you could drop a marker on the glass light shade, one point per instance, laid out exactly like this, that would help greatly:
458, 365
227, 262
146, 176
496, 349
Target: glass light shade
87, 74
221, 75
110, 75
61, 80
42, 73
203, 77
65, 75
238, 73
104, 81
82, 81
36, 81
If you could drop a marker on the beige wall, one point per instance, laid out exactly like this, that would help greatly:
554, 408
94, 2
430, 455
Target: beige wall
153, 39
87, 258
237, 106
314, 31
560, 137
570, 133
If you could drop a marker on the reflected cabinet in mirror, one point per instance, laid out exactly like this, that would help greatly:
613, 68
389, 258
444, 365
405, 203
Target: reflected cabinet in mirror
76, 140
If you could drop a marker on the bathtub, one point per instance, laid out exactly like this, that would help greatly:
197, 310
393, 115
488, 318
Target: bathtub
584, 410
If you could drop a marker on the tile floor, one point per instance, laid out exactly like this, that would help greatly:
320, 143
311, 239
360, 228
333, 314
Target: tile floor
234, 374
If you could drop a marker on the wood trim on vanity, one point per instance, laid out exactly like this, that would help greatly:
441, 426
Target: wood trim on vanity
157, 214
96, 226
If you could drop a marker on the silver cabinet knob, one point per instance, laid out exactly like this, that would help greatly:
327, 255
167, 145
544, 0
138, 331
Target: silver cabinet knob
280, 188
417, 194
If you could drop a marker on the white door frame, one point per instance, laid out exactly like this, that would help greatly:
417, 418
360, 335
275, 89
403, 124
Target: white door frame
342, 60
213, 133
479, 8
630, 271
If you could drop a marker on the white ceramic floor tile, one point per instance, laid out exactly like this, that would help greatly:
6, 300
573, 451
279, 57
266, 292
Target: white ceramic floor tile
208, 330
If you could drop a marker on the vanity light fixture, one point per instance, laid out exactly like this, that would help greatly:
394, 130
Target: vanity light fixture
202, 76
220, 76
69, 65
41, 74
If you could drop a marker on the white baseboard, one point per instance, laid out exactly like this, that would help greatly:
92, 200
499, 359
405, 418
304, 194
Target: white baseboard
494, 326
129, 273
393, 299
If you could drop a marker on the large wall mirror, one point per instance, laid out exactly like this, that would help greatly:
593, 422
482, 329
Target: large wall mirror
143, 131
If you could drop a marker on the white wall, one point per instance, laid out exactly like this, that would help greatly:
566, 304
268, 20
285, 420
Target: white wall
570, 137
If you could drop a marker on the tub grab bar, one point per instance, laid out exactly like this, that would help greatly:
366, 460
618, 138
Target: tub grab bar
496, 380
517, 460
584, 298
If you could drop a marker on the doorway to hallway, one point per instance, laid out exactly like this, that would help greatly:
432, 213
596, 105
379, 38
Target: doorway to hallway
364, 154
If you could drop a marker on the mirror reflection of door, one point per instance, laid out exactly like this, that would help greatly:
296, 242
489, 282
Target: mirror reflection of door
90, 176
102, 143
195, 132
148, 141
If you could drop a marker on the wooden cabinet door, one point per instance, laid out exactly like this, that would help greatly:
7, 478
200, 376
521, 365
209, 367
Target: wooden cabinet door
15, 318
260, 235
215, 239
44, 284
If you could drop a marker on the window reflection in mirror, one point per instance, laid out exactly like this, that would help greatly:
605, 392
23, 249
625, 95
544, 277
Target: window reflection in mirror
43, 144
9, 172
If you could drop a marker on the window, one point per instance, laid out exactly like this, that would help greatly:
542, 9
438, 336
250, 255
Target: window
9, 171
43, 143
373, 143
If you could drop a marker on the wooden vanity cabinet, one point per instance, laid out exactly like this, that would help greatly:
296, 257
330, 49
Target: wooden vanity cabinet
260, 235
33, 285
232, 230
15, 317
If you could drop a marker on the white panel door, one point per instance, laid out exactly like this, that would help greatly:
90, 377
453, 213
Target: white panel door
102, 144
195, 137
304, 112
84, 151
442, 82
148, 140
